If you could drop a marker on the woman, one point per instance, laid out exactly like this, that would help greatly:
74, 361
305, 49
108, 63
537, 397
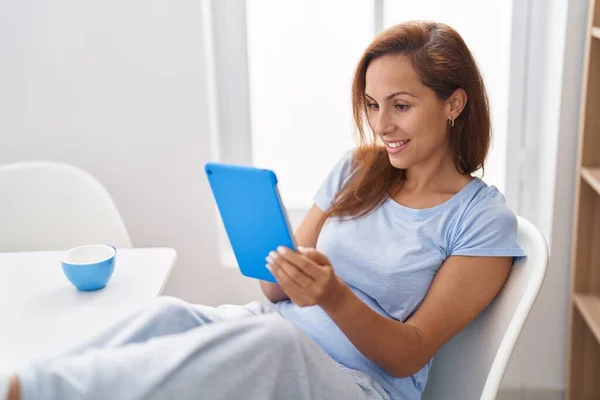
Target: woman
409, 249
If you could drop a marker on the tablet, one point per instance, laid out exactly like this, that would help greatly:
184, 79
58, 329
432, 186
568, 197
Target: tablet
253, 214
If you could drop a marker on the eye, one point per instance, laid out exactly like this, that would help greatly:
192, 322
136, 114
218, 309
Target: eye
373, 106
402, 107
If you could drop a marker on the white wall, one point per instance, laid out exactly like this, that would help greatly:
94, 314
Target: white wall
118, 88
550, 123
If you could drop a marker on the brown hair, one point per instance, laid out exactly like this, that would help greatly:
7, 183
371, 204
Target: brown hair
443, 63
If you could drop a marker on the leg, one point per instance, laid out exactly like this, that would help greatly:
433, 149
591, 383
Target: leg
165, 316
252, 358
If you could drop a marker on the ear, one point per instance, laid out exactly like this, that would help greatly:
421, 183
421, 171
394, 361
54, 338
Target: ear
456, 103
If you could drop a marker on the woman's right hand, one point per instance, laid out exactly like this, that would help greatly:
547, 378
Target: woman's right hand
306, 236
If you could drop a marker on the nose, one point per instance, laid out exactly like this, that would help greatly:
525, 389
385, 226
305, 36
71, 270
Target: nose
383, 124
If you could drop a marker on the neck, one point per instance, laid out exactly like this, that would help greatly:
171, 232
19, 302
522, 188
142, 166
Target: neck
438, 172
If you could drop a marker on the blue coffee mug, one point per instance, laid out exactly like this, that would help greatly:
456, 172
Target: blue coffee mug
89, 267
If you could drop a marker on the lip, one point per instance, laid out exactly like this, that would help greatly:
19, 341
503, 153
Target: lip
397, 149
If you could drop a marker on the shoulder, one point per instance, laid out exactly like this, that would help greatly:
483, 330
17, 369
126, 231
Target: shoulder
485, 222
335, 180
485, 202
343, 168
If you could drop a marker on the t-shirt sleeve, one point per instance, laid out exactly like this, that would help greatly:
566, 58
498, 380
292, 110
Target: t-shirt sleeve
489, 228
334, 182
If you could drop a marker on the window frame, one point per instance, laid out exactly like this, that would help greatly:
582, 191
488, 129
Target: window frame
228, 91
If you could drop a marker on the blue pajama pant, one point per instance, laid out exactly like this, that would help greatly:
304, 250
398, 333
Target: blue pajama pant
175, 350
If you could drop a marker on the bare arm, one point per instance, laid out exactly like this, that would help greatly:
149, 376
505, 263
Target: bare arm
462, 288
306, 236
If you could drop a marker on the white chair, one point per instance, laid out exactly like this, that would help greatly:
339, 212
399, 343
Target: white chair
471, 365
55, 206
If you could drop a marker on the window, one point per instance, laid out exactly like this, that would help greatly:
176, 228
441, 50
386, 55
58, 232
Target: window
301, 57
289, 92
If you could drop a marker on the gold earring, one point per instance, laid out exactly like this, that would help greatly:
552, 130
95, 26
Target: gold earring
451, 122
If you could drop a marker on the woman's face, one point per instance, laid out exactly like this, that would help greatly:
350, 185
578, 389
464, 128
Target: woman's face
407, 116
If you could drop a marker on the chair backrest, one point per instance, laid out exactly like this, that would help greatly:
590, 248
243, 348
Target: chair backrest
55, 206
472, 364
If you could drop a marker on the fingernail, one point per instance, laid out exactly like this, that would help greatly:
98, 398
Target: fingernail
302, 249
269, 259
281, 249
267, 266
273, 255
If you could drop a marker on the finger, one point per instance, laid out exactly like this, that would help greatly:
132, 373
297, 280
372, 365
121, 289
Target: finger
289, 286
291, 270
282, 279
319, 259
314, 255
305, 264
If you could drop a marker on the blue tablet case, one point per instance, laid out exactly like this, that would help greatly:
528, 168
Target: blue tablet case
253, 214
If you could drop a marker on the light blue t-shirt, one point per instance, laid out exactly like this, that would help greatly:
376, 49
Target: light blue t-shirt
389, 258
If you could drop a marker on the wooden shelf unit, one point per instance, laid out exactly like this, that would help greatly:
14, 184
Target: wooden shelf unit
592, 177
583, 369
589, 308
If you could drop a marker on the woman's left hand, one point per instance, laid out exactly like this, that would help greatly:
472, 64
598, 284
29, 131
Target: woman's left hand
306, 276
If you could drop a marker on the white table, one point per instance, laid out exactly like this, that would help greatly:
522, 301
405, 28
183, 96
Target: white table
42, 314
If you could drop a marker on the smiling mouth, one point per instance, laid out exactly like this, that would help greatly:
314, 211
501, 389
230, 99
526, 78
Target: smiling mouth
397, 144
